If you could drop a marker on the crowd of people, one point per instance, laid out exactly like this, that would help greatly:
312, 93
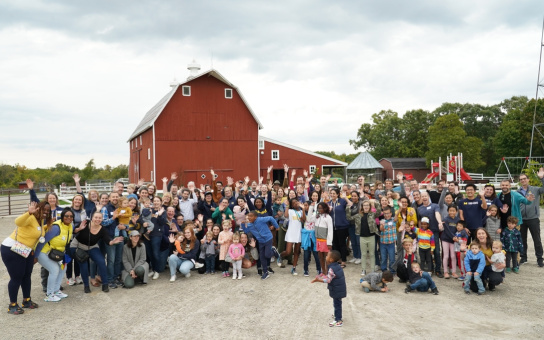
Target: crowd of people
413, 231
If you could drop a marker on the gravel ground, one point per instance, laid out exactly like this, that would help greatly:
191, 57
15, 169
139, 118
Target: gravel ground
281, 307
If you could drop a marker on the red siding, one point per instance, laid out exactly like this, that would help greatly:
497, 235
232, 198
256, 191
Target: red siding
140, 166
206, 131
293, 158
389, 172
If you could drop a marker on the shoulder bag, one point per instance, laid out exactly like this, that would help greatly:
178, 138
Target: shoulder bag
82, 255
20, 248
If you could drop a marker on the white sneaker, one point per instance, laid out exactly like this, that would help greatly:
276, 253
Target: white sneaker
51, 298
357, 261
173, 278
188, 275
60, 294
352, 260
151, 273
79, 280
155, 276
71, 281
234, 276
240, 275
199, 265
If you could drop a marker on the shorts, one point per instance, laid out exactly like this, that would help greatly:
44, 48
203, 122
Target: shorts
321, 245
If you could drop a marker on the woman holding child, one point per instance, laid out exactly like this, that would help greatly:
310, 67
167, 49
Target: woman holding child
489, 277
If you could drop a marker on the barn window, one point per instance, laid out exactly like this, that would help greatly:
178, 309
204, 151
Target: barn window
275, 155
141, 140
261, 145
148, 153
136, 139
228, 93
186, 90
151, 179
132, 144
312, 169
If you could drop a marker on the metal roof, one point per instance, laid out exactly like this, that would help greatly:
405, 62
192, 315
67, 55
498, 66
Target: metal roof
407, 163
364, 161
154, 113
303, 150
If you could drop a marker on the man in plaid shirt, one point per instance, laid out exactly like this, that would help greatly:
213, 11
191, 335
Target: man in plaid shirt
388, 238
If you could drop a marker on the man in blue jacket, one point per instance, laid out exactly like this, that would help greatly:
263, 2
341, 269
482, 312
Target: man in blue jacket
259, 227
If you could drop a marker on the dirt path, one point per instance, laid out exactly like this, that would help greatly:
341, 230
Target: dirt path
282, 307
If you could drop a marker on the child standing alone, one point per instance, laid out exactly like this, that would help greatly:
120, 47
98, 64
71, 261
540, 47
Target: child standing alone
511, 240
236, 252
336, 283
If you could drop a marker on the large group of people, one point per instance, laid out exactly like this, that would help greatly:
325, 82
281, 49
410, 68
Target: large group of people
412, 231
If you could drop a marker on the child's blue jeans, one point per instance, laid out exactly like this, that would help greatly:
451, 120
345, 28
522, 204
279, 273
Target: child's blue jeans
423, 284
387, 251
210, 263
478, 280
337, 303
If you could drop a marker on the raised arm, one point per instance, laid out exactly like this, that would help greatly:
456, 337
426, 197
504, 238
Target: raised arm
33, 196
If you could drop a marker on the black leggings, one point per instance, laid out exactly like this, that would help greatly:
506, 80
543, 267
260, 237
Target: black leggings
224, 266
339, 242
20, 272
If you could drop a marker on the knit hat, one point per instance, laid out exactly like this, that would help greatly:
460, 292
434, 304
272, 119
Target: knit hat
425, 220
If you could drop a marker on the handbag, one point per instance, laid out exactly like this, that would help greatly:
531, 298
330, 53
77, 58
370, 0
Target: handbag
82, 255
57, 255
22, 249
228, 258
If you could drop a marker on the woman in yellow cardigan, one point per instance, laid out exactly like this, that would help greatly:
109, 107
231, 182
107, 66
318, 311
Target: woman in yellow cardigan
31, 228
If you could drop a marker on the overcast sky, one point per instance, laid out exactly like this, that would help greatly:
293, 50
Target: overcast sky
76, 77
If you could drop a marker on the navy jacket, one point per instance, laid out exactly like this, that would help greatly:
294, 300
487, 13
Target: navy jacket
337, 286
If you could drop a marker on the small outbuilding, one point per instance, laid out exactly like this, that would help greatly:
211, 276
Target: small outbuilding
364, 164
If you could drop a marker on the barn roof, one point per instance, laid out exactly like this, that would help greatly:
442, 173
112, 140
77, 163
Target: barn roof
303, 150
407, 163
364, 161
154, 113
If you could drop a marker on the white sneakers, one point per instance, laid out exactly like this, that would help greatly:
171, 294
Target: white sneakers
51, 298
155, 275
357, 261
188, 275
234, 275
352, 260
199, 265
60, 294
71, 281
173, 278
79, 280
151, 273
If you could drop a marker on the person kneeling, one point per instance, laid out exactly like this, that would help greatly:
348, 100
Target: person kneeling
420, 280
370, 282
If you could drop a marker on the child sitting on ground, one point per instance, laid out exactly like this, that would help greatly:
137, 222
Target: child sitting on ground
460, 247
420, 280
511, 240
336, 282
474, 264
373, 280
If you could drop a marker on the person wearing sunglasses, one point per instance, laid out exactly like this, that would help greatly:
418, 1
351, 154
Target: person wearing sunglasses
57, 238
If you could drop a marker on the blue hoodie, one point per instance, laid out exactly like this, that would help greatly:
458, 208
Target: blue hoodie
259, 229
475, 263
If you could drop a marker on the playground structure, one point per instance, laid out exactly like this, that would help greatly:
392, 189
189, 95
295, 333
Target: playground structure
454, 172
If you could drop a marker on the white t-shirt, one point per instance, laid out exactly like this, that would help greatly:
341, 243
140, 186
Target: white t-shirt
497, 258
295, 226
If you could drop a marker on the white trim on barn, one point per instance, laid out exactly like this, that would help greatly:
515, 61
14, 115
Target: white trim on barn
266, 139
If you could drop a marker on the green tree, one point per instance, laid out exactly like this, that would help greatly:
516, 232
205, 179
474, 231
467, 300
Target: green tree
513, 138
415, 127
447, 135
89, 170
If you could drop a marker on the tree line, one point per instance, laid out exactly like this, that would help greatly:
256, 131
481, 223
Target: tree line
483, 133
12, 175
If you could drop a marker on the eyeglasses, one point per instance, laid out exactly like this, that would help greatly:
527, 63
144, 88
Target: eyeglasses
135, 236
69, 216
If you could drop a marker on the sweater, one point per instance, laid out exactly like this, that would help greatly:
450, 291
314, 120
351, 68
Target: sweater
474, 262
28, 230
425, 238
236, 250
492, 225
322, 225
259, 229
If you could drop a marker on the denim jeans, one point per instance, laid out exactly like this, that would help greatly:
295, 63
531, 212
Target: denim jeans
265, 248
387, 251
93, 267
210, 263
477, 279
176, 263
355, 242
56, 274
114, 255
423, 284
307, 254
337, 303
96, 255
158, 257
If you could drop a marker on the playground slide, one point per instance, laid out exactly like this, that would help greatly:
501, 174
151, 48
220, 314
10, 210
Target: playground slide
465, 176
430, 177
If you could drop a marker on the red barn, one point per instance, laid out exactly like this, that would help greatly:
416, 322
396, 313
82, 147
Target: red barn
205, 123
